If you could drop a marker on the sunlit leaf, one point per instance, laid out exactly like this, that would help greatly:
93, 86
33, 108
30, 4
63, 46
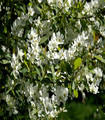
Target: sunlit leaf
75, 93
77, 63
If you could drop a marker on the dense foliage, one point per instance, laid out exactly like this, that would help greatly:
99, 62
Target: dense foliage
52, 59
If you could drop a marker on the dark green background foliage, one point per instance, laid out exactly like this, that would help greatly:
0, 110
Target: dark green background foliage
92, 108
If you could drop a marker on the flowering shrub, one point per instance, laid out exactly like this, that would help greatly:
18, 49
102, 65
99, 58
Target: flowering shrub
58, 51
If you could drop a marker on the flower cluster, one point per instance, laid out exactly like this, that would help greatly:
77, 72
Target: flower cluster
58, 52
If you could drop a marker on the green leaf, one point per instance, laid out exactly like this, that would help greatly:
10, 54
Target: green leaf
17, 87
70, 88
43, 40
8, 56
27, 66
30, 4
38, 72
77, 63
100, 58
75, 93
42, 69
52, 69
57, 67
62, 66
59, 48
83, 23
39, 9
5, 61
5, 30
34, 111
65, 66
24, 70
68, 68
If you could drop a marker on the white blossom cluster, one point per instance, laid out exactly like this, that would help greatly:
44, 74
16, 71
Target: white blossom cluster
33, 46
16, 62
61, 3
40, 101
53, 46
18, 25
88, 7
11, 102
92, 78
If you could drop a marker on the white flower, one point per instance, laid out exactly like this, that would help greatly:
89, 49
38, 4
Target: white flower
15, 111
78, 24
20, 54
55, 41
3, 48
60, 37
50, 1
94, 4
93, 88
97, 81
20, 32
97, 23
70, 52
55, 55
98, 71
44, 91
10, 101
61, 95
81, 87
89, 76
32, 103
92, 19
31, 11
53, 44
83, 95
102, 30
32, 113
33, 53
39, 1
63, 54
65, 93
15, 65
31, 90
53, 113
30, 20
0, 6
87, 7
48, 105
38, 22
33, 34
69, 2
